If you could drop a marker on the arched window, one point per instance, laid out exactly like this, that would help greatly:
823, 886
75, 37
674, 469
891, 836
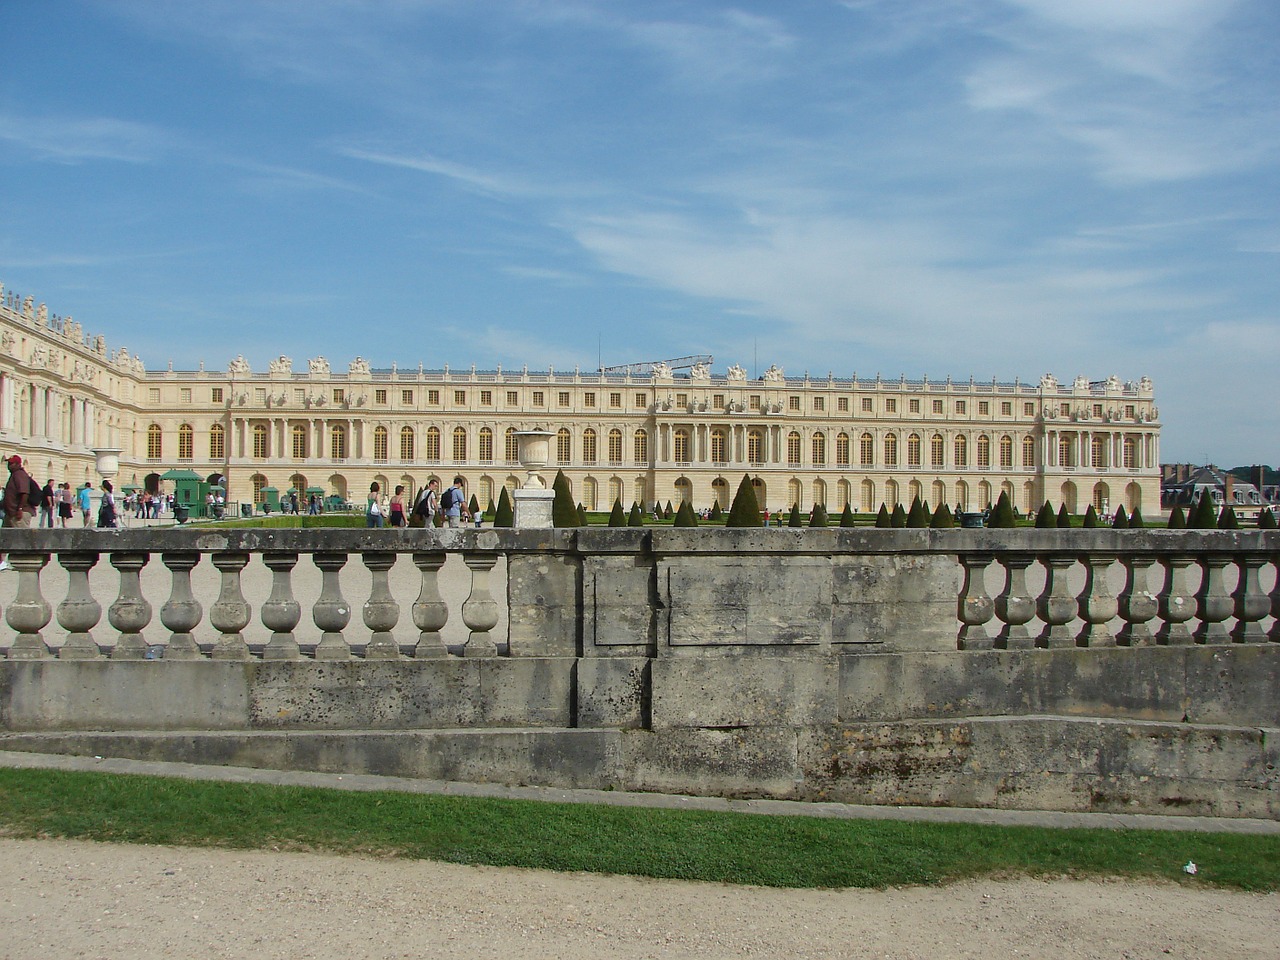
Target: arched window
615, 446
720, 492
793, 493
564, 445
1098, 452
868, 496
299, 442
459, 445
755, 446
512, 446
961, 451
486, 445
256, 483
984, 451
913, 450
1028, 452
719, 446
155, 444
589, 446
186, 442
937, 451
680, 444
217, 442
380, 443
793, 448
407, 443
842, 450
433, 445
819, 449
260, 442
338, 443
590, 494
866, 450
1006, 452
684, 491
615, 489
1130, 453
891, 450
641, 449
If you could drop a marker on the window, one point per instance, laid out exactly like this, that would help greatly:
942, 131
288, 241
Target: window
1097, 411
299, 396
259, 441
891, 450
937, 406
215, 395
513, 398
984, 408
539, 398
682, 400
615, 401
960, 407
1006, 452
717, 401
754, 403
564, 445
1006, 408
459, 398
186, 441
338, 443
1130, 453
640, 401
184, 395
913, 450
819, 451
819, 403
866, 404
1028, 451
913, 406
380, 396
459, 445
842, 404
588, 446
589, 399
984, 451
755, 446
1129, 411
511, 446
937, 450
338, 395
793, 403
640, 447
406, 398
433, 397
719, 446
299, 442
842, 450
407, 443
486, 445
217, 442
486, 398
866, 450
890, 405
257, 482
615, 446
1098, 452
153, 394
259, 394
1028, 409
681, 445
380, 443
1065, 447
961, 451
562, 398
1064, 409
432, 451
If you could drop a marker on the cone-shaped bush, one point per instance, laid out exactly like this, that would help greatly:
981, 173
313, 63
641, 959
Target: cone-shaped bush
793, 518
1135, 519
883, 517
899, 516
636, 517
942, 518
1204, 516
1046, 517
745, 510
846, 516
1002, 512
616, 517
504, 516
819, 516
1266, 520
1227, 520
1121, 519
564, 513
668, 513
916, 516
492, 508
1090, 517
474, 506
716, 512
582, 516
1177, 519
685, 517
1064, 517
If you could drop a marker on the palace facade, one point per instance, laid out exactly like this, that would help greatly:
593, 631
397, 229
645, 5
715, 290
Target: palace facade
666, 435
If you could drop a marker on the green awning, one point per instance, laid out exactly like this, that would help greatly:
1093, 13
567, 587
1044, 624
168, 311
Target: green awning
181, 475
315, 489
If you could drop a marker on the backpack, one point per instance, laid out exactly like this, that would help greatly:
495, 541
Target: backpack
447, 501
425, 506
35, 495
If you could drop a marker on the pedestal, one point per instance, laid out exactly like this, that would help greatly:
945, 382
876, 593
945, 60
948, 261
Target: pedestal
533, 509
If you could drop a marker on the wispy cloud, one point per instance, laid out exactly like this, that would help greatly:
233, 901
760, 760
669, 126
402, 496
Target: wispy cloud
497, 185
80, 139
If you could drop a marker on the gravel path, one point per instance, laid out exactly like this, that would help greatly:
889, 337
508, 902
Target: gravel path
77, 899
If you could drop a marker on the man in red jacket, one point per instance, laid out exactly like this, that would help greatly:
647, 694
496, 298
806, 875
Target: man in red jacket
17, 495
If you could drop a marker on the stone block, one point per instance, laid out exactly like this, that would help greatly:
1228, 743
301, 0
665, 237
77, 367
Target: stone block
728, 763
617, 594
612, 692
542, 604
743, 691
895, 601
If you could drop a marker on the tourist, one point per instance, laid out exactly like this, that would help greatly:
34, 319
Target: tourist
373, 508
452, 503
47, 497
107, 508
397, 507
18, 493
428, 503
83, 499
65, 499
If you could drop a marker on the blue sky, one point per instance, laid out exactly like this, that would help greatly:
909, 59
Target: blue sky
925, 187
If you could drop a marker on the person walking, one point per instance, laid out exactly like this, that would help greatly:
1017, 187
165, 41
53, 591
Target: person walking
452, 503
107, 508
65, 499
84, 500
47, 499
373, 507
428, 503
397, 507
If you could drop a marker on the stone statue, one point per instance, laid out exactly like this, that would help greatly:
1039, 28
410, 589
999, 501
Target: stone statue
281, 366
318, 367
1080, 383
37, 358
7, 341
1047, 382
42, 315
700, 371
774, 375
662, 371
737, 373
358, 366
1113, 383
138, 365
1145, 384
239, 367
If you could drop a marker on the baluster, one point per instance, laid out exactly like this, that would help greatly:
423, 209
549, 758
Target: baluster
1014, 606
430, 612
480, 609
1274, 634
1138, 604
381, 613
1213, 603
182, 612
79, 613
331, 612
1251, 604
131, 612
230, 613
1097, 605
30, 612
975, 608
1056, 604
281, 613
1177, 605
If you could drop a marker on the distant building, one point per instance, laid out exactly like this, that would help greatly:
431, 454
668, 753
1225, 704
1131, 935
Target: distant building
1184, 484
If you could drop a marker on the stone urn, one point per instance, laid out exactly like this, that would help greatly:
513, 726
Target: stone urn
535, 453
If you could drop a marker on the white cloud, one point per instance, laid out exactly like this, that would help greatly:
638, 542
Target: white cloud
79, 139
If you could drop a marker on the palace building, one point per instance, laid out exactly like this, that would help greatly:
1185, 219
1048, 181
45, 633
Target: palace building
654, 434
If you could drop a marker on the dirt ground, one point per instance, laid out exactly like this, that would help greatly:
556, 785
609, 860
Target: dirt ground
76, 899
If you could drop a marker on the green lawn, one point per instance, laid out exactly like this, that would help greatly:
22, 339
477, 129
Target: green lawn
778, 851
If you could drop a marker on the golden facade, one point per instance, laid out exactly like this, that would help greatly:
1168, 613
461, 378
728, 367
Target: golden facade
665, 436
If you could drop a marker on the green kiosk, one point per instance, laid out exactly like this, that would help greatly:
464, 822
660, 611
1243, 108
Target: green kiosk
189, 491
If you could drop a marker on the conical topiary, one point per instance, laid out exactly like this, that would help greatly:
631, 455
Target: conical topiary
582, 516
685, 516
1177, 519
473, 507
1205, 515
1121, 519
504, 516
846, 516
564, 513
616, 517
716, 513
883, 517
1090, 517
1266, 519
1002, 512
636, 517
1064, 516
745, 510
819, 516
793, 518
1046, 517
917, 516
1227, 519
1135, 519
898, 518
942, 518
668, 513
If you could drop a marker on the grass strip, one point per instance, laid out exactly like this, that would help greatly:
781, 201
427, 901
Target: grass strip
781, 851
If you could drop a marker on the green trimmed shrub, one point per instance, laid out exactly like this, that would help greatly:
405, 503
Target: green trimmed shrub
1205, 514
846, 516
819, 516
716, 513
1046, 517
942, 518
668, 513
1135, 519
1266, 519
1002, 512
1227, 519
636, 517
883, 517
1121, 519
745, 510
1064, 517
473, 507
504, 516
1177, 519
1090, 518
616, 517
582, 516
793, 518
917, 516
685, 517
898, 518
564, 513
